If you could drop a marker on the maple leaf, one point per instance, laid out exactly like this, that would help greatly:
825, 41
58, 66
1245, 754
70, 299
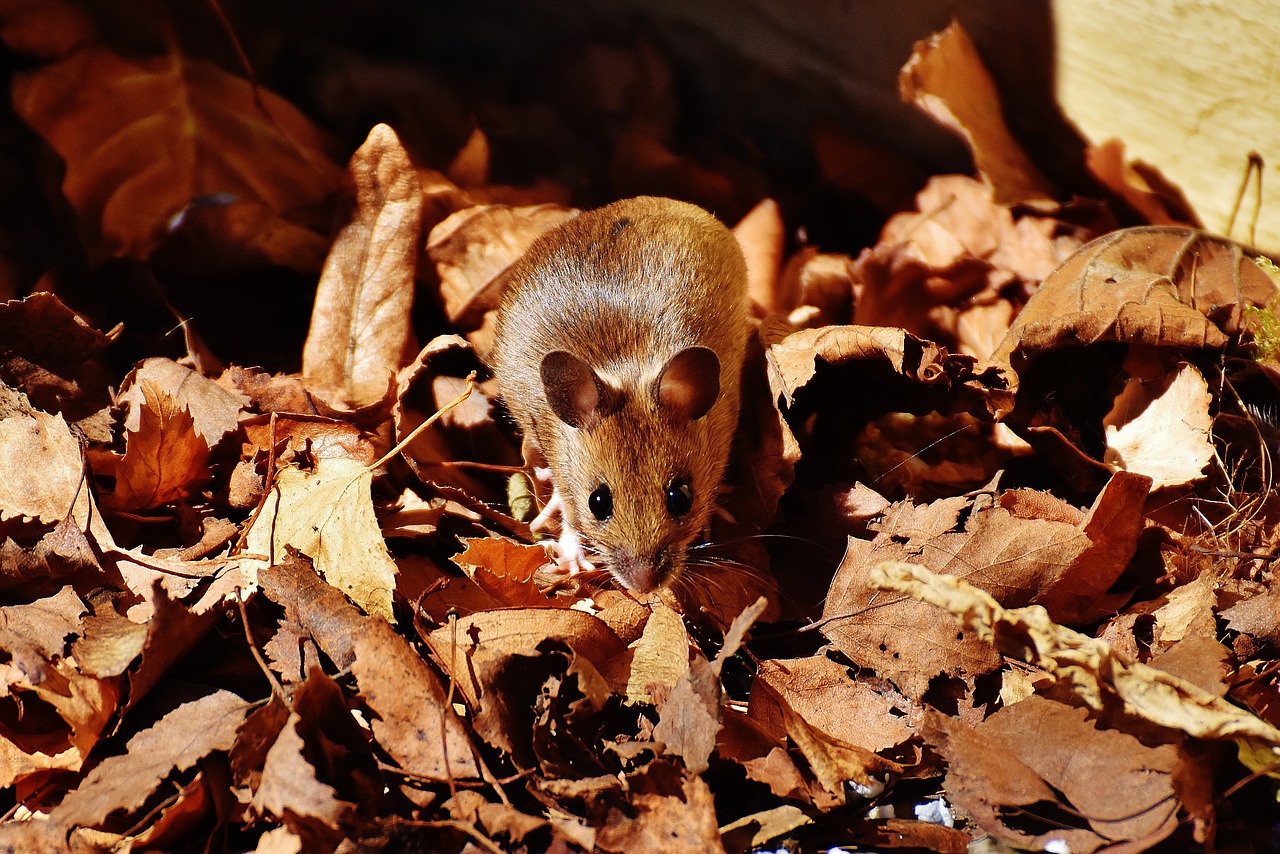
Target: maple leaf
164, 458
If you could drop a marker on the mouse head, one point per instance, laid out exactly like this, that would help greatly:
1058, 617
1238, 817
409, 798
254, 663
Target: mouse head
637, 465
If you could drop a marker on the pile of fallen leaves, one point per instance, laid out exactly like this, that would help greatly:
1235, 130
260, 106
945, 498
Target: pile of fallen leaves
996, 568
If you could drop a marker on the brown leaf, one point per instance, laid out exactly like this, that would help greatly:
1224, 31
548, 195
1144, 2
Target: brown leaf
1159, 426
412, 722
835, 761
45, 350
164, 458
760, 753
478, 652
472, 248
289, 789
360, 322
504, 568
41, 470
1126, 793
986, 779
946, 79
1141, 187
214, 410
144, 139
822, 693
762, 235
929, 371
666, 822
1099, 676
1019, 560
661, 655
690, 717
174, 743
318, 435
1157, 285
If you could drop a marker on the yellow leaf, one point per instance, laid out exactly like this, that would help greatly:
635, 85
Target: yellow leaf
327, 514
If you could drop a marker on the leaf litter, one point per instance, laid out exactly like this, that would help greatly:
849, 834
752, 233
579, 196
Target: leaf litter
995, 565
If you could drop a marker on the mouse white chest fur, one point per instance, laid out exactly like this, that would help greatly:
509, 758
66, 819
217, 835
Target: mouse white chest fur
619, 351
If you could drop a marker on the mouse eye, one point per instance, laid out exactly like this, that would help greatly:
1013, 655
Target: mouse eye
679, 497
601, 503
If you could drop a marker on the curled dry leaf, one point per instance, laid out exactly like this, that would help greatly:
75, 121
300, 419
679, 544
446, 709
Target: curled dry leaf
110, 119
45, 352
360, 322
946, 79
1160, 285
762, 234
1098, 675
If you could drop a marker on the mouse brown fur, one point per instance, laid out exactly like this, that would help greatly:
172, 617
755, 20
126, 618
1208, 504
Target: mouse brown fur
619, 349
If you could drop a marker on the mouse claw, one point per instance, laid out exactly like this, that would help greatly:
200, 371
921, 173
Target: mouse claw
554, 508
570, 556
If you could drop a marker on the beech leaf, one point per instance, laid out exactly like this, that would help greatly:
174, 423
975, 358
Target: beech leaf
360, 321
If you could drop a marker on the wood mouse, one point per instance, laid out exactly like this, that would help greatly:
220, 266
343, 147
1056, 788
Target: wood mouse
619, 349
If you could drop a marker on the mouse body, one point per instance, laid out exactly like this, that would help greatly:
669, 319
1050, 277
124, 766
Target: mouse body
619, 350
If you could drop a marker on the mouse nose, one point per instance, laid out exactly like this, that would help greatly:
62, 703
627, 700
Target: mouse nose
641, 573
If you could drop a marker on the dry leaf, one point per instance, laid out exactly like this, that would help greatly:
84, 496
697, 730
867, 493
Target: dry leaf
1163, 286
762, 234
1067, 567
176, 742
327, 514
164, 459
360, 322
214, 409
1160, 427
41, 470
945, 78
1094, 672
144, 139
472, 247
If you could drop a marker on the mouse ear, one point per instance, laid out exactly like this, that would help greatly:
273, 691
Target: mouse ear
575, 393
689, 384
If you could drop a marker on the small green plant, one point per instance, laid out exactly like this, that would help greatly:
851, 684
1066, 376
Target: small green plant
1263, 321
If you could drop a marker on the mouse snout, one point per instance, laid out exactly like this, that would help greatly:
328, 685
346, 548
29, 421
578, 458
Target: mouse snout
642, 573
